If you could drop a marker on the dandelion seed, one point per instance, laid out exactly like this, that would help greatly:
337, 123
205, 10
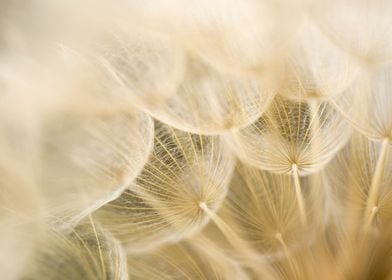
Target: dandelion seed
316, 69
343, 23
286, 135
181, 261
88, 160
352, 175
85, 253
239, 37
260, 211
163, 204
210, 102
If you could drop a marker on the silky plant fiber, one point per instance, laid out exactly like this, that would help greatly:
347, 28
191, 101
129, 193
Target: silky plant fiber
196, 139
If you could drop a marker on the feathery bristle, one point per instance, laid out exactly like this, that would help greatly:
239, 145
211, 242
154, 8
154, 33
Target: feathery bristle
88, 161
162, 205
368, 103
361, 28
353, 176
292, 133
200, 139
261, 211
316, 68
180, 261
207, 101
86, 253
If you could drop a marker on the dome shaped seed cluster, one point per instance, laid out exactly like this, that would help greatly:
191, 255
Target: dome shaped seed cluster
215, 139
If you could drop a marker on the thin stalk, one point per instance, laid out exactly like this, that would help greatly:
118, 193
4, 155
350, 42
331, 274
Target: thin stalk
231, 236
237, 242
374, 191
299, 195
98, 245
315, 129
370, 219
292, 264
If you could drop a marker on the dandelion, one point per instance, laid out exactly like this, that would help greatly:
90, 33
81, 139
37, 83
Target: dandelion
213, 139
